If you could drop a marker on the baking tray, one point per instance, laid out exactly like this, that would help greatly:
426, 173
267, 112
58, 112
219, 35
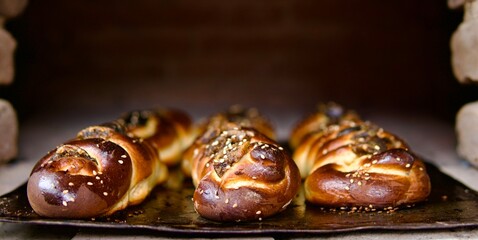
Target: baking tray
170, 210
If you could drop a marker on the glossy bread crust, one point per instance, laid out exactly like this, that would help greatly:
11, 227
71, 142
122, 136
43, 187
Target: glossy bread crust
357, 164
99, 172
241, 175
170, 131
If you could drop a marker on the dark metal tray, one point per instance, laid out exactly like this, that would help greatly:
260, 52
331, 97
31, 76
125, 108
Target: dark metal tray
450, 205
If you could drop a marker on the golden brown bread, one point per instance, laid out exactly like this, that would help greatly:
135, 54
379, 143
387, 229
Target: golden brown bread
357, 164
170, 131
242, 175
99, 172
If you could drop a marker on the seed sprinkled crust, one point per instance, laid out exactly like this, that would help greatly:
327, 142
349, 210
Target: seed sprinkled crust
240, 162
351, 162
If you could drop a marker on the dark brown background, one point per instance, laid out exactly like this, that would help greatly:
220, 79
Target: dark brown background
86, 56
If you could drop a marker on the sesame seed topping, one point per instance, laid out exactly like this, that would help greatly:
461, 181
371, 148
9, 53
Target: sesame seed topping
97, 177
227, 201
65, 191
101, 181
235, 205
374, 162
123, 156
347, 188
105, 193
260, 219
207, 164
214, 143
65, 203
70, 184
351, 181
359, 183
421, 169
408, 165
258, 212
94, 172
262, 156
281, 148
254, 177
89, 183
398, 159
120, 161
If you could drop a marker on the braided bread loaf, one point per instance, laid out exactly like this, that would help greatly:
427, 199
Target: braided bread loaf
99, 172
170, 131
351, 163
240, 174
